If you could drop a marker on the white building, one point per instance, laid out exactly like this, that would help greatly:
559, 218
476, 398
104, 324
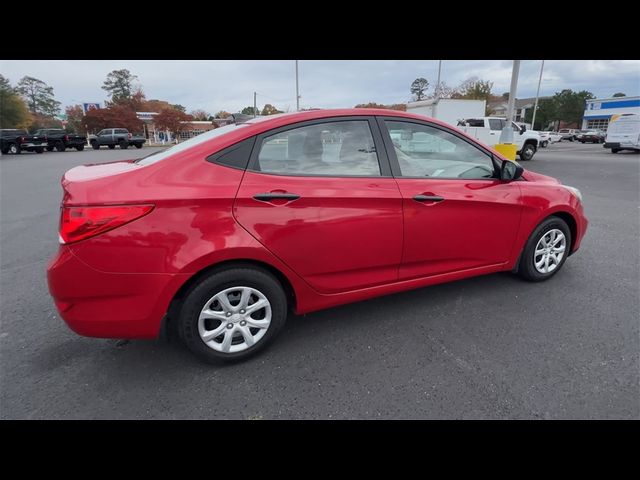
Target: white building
599, 111
448, 110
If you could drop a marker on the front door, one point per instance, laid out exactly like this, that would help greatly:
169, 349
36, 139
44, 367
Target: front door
457, 214
319, 195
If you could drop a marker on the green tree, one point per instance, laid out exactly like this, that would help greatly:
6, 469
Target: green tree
419, 88
39, 96
247, 111
119, 85
178, 107
13, 110
569, 105
270, 110
475, 89
619, 94
545, 116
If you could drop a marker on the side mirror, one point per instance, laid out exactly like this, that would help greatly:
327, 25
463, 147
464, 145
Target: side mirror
510, 171
523, 129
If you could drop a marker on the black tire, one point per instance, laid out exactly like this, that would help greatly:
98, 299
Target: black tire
123, 144
80, 148
40, 150
526, 267
582, 141
14, 149
527, 152
615, 150
544, 144
49, 149
571, 139
138, 145
60, 147
111, 147
95, 145
209, 286
5, 150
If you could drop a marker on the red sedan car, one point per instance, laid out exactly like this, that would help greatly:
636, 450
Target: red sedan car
222, 235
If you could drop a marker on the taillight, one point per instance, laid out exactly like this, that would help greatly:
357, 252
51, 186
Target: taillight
22, 139
129, 135
79, 223
66, 138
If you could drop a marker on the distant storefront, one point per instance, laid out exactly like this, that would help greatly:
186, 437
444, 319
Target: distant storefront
191, 129
598, 112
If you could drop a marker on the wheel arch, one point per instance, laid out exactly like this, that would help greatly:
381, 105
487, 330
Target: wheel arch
168, 327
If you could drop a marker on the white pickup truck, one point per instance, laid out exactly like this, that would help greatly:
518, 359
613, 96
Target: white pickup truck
488, 130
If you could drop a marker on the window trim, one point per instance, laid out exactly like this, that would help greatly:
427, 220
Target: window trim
393, 158
381, 151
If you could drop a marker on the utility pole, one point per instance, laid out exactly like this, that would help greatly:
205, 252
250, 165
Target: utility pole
297, 90
507, 132
254, 105
438, 82
535, 107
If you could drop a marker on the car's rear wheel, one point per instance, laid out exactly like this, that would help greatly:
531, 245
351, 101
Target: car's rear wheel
14, 149
111, 147
615, 150
232, 314
95, 145
138, 145
544, 144
123, 144
546, 250
60, 147
80, 148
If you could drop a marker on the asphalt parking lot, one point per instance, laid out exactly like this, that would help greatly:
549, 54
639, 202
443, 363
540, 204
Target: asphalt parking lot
487, 347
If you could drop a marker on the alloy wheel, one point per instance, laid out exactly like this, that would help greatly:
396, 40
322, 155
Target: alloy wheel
549, 251
234, 319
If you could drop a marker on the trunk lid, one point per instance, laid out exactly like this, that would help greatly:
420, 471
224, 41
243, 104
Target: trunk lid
96, 183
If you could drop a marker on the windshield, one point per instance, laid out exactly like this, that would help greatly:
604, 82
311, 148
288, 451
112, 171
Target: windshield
204, 137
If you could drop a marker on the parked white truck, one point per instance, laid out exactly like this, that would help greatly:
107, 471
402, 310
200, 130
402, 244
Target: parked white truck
488, 130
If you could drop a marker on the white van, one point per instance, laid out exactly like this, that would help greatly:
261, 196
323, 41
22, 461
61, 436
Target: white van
623, 133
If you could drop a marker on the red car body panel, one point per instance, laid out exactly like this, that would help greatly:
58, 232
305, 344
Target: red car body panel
344, 240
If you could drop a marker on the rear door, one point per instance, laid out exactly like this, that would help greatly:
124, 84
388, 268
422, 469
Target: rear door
320, 196
457, 214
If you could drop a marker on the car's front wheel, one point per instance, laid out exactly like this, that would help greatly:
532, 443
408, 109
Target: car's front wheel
546, 250
232, 314
528, 151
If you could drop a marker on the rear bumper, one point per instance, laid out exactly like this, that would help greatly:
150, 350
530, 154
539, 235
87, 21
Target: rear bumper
108, 305
32, 145
626, 146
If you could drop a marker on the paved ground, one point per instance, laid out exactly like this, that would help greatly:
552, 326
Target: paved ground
489, 347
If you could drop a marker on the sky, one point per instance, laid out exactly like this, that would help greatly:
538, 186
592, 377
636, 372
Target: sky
214, 85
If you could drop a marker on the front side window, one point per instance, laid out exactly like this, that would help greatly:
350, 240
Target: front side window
425, 151
344, 148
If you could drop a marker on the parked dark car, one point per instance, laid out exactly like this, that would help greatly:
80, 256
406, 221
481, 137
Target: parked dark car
14, 140
116, 136
61, 140
592, 136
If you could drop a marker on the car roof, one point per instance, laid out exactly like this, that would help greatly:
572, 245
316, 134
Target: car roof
283, 119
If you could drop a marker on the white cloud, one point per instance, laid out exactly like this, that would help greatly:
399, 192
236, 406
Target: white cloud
215, 85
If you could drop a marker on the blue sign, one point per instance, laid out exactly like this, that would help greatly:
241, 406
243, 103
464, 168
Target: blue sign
90, 106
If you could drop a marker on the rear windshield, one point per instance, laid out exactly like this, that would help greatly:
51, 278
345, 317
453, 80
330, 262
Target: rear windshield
204, 137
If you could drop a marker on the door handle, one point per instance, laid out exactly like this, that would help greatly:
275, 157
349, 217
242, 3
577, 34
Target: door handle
428, 198
267, 197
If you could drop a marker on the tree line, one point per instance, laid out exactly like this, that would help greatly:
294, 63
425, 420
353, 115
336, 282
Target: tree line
31, 104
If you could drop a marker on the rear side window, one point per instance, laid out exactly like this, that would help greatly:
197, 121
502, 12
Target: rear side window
344, 148
496, 124
121, 130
